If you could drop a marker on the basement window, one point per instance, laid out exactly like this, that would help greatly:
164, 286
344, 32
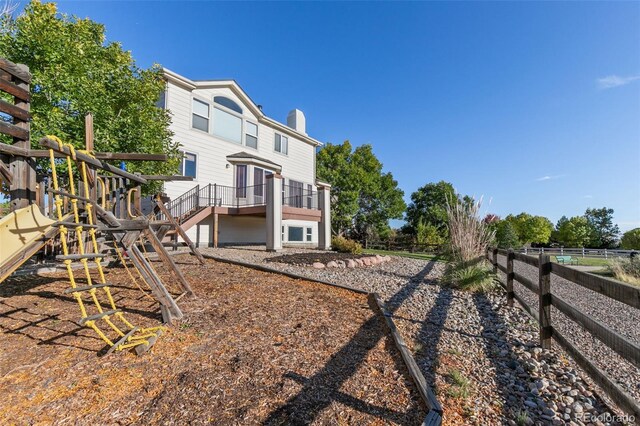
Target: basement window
309, 234
296, 233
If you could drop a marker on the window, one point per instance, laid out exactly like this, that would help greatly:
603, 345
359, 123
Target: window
227, 125
200, 114
283, 233
258, 181
309, 234
251, 135
188, 165
227, 103
281, 144
295, 233
241, 181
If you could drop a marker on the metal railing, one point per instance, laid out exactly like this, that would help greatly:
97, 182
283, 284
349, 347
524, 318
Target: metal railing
230, 196
298, 196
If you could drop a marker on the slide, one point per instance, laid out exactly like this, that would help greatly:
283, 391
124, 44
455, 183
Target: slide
22, 233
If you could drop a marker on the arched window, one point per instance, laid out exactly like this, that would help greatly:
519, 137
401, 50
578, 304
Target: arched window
227, 103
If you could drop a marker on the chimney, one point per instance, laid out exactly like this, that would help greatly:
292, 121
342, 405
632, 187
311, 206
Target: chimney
296, 121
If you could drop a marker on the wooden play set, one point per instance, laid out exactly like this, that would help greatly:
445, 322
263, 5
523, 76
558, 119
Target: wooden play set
92, 210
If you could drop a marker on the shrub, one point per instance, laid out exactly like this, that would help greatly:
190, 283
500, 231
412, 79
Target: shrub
478, 277
626, 270
345, 245
469, 237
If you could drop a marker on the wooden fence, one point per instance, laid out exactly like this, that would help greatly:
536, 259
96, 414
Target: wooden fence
624, 293
577, 251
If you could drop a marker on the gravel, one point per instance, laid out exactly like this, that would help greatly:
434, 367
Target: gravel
481, 356
618, 316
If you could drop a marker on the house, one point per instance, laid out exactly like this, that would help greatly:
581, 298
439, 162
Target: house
254, 178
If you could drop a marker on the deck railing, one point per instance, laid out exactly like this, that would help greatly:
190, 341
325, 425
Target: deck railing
298, 196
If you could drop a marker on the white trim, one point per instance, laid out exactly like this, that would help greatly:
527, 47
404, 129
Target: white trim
255, 162
184, 154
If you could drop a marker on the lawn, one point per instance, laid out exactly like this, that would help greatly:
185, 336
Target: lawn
588, 261
422, 256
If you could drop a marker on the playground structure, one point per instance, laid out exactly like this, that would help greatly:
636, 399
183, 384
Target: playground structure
92, 209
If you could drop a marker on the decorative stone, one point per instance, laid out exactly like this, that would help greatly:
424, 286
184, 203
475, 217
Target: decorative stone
332, 264
318, 265
351, 263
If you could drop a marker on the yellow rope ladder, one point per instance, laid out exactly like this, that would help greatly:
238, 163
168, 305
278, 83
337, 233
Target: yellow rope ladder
134, 336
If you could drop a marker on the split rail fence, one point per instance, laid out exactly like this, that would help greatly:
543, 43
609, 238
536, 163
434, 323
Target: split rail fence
621, 292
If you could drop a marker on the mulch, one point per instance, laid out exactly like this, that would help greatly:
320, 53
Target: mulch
308, 258
252, 348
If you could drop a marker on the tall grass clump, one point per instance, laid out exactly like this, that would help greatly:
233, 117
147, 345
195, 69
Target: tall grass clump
469, 237
626, 270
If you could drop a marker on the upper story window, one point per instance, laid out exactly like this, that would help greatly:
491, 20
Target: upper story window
251, 135
200, 119
281, 144
188, 165
227, 119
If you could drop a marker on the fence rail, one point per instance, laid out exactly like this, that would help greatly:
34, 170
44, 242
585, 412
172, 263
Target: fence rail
577, 251
616, 290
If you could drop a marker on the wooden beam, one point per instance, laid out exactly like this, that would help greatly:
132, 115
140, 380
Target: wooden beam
44, 153
162, 253
624, 347
16, 70
544, 301
617, 290
14, 111
179, 229
5, 173
13, 130
15, 90
168, 177
93, 161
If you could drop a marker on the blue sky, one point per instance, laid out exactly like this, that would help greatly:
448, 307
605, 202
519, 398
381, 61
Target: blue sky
535, 106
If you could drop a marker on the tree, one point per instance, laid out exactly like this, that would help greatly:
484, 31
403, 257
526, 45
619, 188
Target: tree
364, 198
574, 232
428, 234
76, 72
505, 235
531, 229
605, 232
429, 206
631, 240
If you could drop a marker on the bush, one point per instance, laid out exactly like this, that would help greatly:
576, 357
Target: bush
345, 245
626, 270
469, 237
476, 277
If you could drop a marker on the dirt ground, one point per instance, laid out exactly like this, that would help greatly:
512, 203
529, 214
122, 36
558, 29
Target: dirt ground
252, 348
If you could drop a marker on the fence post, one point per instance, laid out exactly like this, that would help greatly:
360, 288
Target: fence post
495, 260
582, 251
525, 250
562, 250
544, 300
605, 253
510, 257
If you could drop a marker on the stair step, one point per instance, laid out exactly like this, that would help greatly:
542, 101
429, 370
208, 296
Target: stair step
89, 287
83, 321
122, 340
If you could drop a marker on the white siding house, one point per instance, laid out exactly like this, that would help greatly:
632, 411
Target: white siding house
236, 155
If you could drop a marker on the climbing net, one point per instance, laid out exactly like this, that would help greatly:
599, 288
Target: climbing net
128, 335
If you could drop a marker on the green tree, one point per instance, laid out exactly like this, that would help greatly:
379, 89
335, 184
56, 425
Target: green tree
429, 206
364, 198
631, 240
605, 232
428, 234
574, 232
75, 71
505, 235
531, 229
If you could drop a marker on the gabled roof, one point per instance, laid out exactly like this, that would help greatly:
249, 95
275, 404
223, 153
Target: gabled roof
246, 158
188, 84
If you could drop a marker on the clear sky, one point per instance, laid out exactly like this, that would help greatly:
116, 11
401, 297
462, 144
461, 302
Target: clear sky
535, 106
